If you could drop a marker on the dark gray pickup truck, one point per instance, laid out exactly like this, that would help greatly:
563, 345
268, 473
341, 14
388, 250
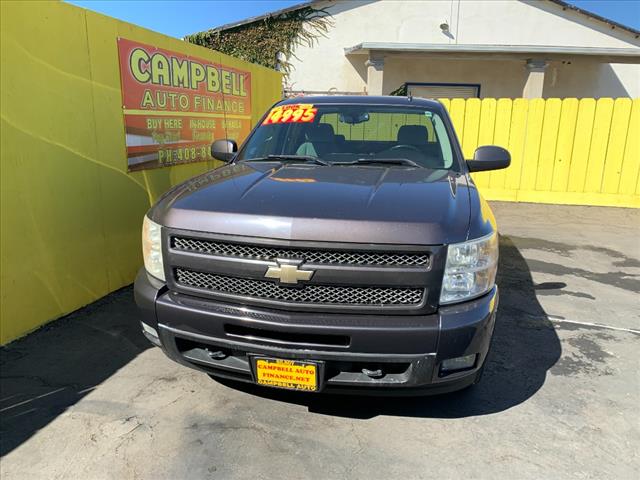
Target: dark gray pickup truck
343, 248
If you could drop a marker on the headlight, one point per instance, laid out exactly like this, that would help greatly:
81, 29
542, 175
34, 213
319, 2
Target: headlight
152, 248
470, 270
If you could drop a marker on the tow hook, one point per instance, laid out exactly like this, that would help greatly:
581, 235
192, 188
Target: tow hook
217, 355
373, 373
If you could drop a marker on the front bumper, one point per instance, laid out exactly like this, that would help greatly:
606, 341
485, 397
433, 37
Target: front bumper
219, 338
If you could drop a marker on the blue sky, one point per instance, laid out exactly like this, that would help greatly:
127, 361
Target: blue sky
179, 18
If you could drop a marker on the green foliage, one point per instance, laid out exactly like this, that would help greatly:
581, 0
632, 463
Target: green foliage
261, 41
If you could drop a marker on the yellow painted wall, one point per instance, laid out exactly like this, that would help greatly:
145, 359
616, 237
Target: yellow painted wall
70, 213
582, 152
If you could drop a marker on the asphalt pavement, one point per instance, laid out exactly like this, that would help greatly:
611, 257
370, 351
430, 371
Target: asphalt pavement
88, 397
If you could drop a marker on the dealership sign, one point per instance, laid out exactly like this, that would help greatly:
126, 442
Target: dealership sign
176, 105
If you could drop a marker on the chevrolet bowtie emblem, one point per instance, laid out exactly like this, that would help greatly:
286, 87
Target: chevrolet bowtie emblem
288, 273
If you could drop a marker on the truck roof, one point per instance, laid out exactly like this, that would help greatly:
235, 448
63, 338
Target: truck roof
364, 100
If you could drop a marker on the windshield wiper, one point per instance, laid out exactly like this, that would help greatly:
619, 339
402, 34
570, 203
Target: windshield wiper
392, 161
288, 158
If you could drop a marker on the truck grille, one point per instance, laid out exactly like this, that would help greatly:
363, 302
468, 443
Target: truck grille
307, 294
337, 257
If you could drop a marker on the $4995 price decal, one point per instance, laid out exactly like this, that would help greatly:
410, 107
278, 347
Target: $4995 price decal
300, 112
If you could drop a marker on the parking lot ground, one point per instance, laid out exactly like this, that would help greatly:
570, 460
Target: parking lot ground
87, 397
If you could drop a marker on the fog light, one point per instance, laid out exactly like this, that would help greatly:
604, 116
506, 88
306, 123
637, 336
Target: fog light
151, 333
458, 363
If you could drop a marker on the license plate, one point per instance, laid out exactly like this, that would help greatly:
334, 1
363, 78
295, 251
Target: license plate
289, 374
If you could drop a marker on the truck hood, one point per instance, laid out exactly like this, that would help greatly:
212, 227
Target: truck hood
364, 204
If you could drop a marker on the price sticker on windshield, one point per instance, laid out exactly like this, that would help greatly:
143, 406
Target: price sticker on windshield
294, 113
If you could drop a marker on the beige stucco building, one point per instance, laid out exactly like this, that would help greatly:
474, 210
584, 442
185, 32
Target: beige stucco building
467, 48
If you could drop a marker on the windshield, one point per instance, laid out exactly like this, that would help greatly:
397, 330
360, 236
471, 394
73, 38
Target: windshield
353, 134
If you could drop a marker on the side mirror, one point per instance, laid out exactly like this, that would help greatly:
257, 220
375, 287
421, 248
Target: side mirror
489, 157
224, 149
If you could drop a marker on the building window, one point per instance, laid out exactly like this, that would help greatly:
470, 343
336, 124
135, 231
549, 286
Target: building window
443, 90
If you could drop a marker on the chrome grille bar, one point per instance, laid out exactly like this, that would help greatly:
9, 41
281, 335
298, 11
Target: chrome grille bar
308, 255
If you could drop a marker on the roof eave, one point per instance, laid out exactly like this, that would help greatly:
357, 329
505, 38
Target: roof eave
628, 55
595, 16
258, 18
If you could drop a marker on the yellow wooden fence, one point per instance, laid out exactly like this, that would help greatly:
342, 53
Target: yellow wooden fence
569, 151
